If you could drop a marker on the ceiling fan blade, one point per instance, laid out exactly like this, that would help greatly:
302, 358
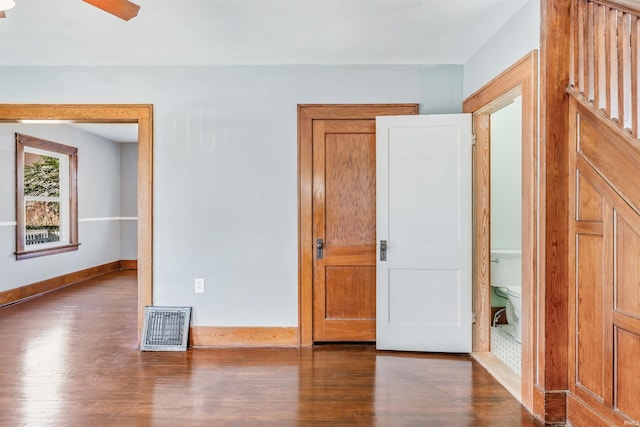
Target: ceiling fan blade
2, 14
123, 9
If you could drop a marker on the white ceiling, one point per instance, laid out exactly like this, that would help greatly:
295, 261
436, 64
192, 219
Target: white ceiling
248, 32
214, 32
114, 132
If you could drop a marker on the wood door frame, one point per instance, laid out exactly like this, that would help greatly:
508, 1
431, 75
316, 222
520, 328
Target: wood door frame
307, 113
140, 114
519, 79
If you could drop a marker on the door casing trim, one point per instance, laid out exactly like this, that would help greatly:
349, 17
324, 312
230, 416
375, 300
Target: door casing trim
519, 79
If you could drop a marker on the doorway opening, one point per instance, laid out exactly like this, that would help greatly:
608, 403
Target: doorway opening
142, 115
517, 84
505, 128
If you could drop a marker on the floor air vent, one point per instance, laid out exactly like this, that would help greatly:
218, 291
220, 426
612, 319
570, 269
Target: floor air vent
166, 328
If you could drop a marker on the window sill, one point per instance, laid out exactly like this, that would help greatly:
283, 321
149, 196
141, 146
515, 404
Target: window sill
46, 251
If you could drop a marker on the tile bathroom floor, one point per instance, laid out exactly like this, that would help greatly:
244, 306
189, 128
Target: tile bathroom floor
505, 348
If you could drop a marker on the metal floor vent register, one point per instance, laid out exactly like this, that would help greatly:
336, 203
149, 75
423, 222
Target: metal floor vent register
166, 328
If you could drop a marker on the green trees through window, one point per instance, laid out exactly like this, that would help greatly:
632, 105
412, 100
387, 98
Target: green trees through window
46, 207
42, 194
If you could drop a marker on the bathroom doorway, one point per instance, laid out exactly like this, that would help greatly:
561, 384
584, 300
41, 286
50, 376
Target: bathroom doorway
505, 276
515, 88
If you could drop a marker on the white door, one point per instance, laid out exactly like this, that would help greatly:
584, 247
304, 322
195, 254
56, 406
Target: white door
423, 167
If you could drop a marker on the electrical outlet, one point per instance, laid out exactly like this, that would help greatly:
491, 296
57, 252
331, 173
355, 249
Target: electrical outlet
199, 285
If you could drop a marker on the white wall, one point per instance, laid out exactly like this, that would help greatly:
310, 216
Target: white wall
519, 36
98, 200
225, 172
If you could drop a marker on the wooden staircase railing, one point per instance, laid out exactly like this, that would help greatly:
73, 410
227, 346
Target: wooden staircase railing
605, 66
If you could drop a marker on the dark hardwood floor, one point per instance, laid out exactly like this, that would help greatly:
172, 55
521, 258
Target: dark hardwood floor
70, 358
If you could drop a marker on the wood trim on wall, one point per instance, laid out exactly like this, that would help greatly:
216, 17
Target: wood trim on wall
553, 304
501, 372
35, 289
583, 414
519, 79
550, 403
128, 264
210, 336
142, 115
306, 114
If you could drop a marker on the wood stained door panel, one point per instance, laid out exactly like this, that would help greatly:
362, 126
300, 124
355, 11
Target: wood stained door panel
350, 187
344, 218
347, 284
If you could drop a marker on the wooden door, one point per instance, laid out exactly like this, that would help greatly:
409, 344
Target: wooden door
337, 204
344, 219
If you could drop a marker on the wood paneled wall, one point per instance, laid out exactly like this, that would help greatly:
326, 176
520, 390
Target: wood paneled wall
588, 304
604, 286
604, 220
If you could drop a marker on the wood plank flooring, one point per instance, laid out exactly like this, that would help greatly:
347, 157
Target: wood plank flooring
70, 358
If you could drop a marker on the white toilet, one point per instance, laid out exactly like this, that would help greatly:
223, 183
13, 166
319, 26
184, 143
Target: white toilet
506, 278
514, 308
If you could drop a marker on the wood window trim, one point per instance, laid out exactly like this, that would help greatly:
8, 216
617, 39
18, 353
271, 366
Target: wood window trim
23, 141
48, 251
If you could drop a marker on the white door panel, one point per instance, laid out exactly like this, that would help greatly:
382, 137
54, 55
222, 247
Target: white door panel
423, 166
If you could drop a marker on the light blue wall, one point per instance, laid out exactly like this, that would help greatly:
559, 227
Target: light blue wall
225, 161
440, 89
128, 201
519, 36
506, 169
225, 171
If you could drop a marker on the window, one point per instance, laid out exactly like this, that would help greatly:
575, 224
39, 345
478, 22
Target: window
46, 202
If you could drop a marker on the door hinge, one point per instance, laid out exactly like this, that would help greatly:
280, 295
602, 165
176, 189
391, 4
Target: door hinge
474, 320
474, 139
383, 250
